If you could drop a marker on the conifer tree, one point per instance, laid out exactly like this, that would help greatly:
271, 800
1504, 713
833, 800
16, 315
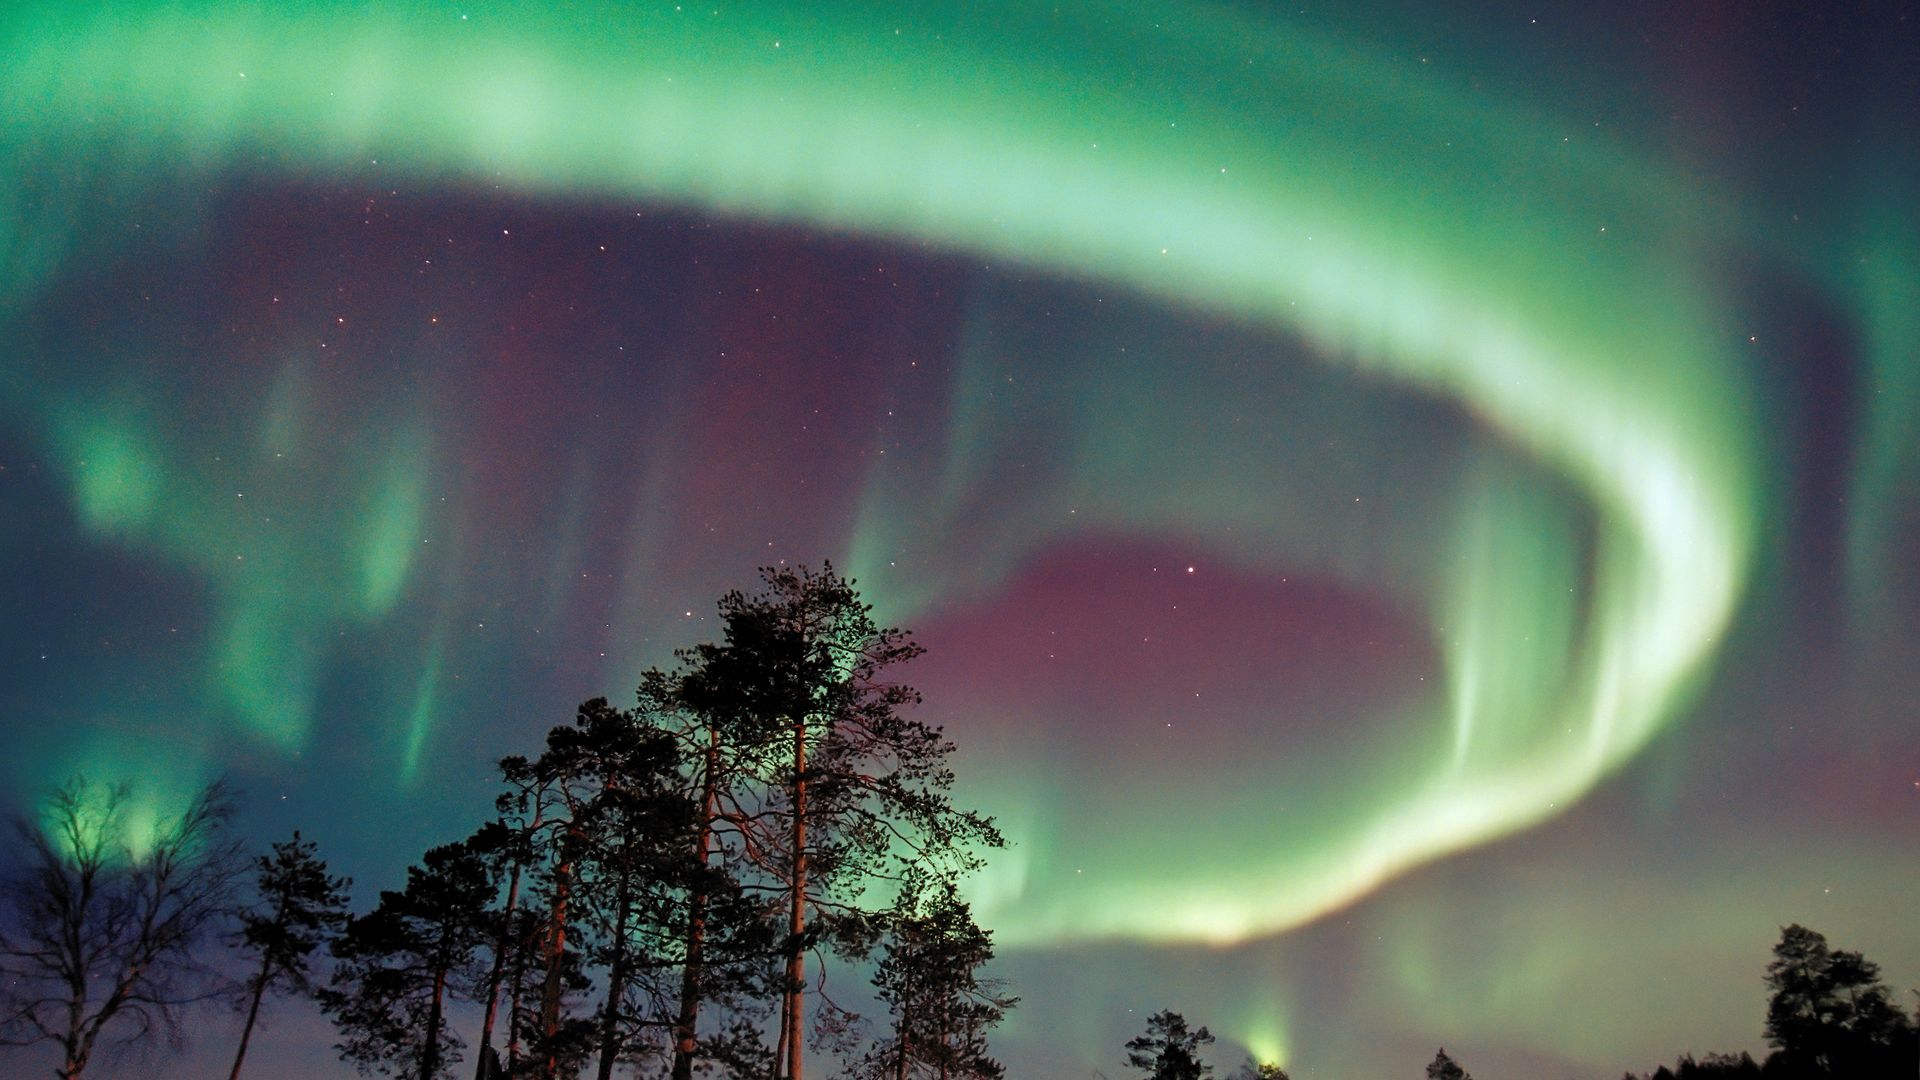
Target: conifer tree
402, 963
1169, 1050
635, 869
726, 753
859, 791
1443, 1067
297, 909
561, 785
508, 842
929, 978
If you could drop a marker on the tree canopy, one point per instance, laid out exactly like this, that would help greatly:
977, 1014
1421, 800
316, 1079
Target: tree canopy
1169, 1050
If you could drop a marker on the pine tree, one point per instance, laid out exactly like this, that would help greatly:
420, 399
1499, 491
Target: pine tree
635, 869
507, 842
859, 790
726, 752
929, 978
1444, 1067
1169, 1050
401, 964
561, 785
297, 909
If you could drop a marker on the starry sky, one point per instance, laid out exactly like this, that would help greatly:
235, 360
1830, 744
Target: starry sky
1412, 514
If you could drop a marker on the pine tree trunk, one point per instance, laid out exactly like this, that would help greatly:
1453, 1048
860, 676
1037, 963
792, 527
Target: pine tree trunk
686, 1025
430, 1050
260, 984
253, 1013
517, 987
946, 1040
499, 967
616, 982
556, 954
903, 1027
780, 1044
797, 916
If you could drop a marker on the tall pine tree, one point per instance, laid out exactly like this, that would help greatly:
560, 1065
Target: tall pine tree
401, 964
859, 790
297, 909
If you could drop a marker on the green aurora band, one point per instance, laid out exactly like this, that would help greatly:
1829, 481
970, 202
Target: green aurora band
1308, 186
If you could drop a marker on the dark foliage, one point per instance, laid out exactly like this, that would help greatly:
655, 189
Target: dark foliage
929, 978
1169, 1050
1443, 1067
856, 790
401, 964
1711, 1067
297, 909
1829, 1014
1829, 1017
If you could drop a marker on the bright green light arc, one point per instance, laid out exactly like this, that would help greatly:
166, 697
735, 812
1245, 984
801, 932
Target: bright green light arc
1599, 357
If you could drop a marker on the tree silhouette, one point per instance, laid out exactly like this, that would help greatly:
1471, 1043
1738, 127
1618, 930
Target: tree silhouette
564, 791
929, 978
859, 795
508, 842
402, 962
106, 921
677, 862
1254, 1070
1168, 1050
728, 751
1443, 1067
1712, 1067
635, 870
297, 909
1829, 1013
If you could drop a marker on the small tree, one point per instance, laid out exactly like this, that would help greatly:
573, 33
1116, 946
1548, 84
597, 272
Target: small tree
1260, 1070
929, 979
1168, 1050
1443, 1067
401, 962
106, 921
297, 909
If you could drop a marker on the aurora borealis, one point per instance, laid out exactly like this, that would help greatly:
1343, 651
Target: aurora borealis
1412, 518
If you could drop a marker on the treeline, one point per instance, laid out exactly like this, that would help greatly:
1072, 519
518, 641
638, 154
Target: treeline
1829, 1017
1172, 1049
660, 888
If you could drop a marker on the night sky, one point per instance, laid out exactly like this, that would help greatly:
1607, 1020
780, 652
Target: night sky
1412, 513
